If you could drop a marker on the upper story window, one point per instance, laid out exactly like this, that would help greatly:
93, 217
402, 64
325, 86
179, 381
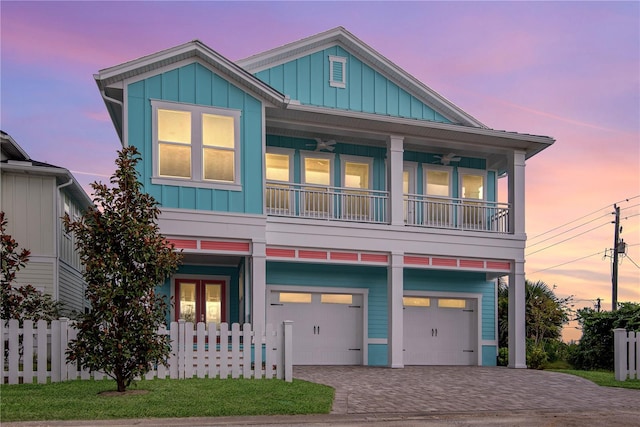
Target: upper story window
337, 71
196, 145
472, 186
438, 182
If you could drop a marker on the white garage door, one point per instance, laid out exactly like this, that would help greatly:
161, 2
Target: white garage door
440, 331
327, 327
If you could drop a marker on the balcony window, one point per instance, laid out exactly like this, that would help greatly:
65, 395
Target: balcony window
356, 204
472, 192
317, 171
278, 168
438, 210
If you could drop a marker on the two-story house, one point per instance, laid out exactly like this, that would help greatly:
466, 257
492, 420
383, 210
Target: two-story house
319, 182
34, 196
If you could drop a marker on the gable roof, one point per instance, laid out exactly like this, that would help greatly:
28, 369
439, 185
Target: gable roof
109, 80
15, 159
340, 36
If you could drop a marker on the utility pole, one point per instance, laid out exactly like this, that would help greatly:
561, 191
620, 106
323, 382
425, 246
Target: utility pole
614, 271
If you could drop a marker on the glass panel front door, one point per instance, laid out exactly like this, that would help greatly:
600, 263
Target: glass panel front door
200, 300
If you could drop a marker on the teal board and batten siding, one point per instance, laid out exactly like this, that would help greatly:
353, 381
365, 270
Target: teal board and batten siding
306, 79
466, 282
195, 84
377, 154
342, 276
203, 271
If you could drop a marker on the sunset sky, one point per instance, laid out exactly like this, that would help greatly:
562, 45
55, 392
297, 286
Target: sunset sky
569, 70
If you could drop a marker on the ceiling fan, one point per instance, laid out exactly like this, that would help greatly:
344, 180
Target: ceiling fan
446, 159
324, 145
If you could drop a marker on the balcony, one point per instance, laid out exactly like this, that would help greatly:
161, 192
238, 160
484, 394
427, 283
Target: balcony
327, 203
458, 214
371, 206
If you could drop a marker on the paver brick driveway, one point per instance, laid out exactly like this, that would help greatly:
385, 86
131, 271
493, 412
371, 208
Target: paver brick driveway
420, 389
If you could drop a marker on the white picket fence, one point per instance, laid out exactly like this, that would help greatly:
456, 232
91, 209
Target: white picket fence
206, 351
626, 354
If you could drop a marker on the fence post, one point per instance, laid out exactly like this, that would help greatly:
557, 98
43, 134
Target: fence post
288, 350
620, 354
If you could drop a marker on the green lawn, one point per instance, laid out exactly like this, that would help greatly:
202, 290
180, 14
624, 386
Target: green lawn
80, 400
603, 378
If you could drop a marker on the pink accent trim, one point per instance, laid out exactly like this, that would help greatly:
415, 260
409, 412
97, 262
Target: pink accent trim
312, 254
444, 262
281, 253
470, 263
416, 260
184, 243
374, 258
224, 246
344, 256
497, 265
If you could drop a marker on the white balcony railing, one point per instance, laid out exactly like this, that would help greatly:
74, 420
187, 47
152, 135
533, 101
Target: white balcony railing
328, 203
461, 214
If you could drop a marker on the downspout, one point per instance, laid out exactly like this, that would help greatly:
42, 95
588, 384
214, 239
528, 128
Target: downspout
56, 267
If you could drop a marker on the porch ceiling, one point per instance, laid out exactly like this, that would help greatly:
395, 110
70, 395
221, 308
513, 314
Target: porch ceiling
370, 129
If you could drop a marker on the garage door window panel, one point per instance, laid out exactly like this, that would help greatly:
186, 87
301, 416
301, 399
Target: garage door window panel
336, 299
294, 297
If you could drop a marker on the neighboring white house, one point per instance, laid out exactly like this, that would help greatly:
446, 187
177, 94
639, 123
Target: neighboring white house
321, 183
34, 196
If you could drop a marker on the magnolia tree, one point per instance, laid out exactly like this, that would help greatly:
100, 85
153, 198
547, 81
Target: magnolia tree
125, 257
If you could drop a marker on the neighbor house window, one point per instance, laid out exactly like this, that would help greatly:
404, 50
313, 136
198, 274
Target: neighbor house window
197, 145
337, 71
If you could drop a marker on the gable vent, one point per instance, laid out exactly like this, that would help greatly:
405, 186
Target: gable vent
337, 71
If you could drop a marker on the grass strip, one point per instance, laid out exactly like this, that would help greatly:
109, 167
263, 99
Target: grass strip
82, 400
602, 378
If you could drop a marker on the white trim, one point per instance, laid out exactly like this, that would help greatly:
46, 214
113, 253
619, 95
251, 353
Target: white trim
337, 83
378, 341
197, 160
465, 295
184, 276
324, 289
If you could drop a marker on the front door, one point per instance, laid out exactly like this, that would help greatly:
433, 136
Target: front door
200, 300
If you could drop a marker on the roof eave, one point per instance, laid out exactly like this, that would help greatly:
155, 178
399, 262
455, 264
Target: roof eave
62, 176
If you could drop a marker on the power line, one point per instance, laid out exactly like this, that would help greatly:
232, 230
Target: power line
632, 261
571, 229
567, 239
584, 216
568, 262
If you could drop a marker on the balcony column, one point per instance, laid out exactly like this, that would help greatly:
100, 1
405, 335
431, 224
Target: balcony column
395, 330
517, 307
516, 192
258, 284
395, 166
